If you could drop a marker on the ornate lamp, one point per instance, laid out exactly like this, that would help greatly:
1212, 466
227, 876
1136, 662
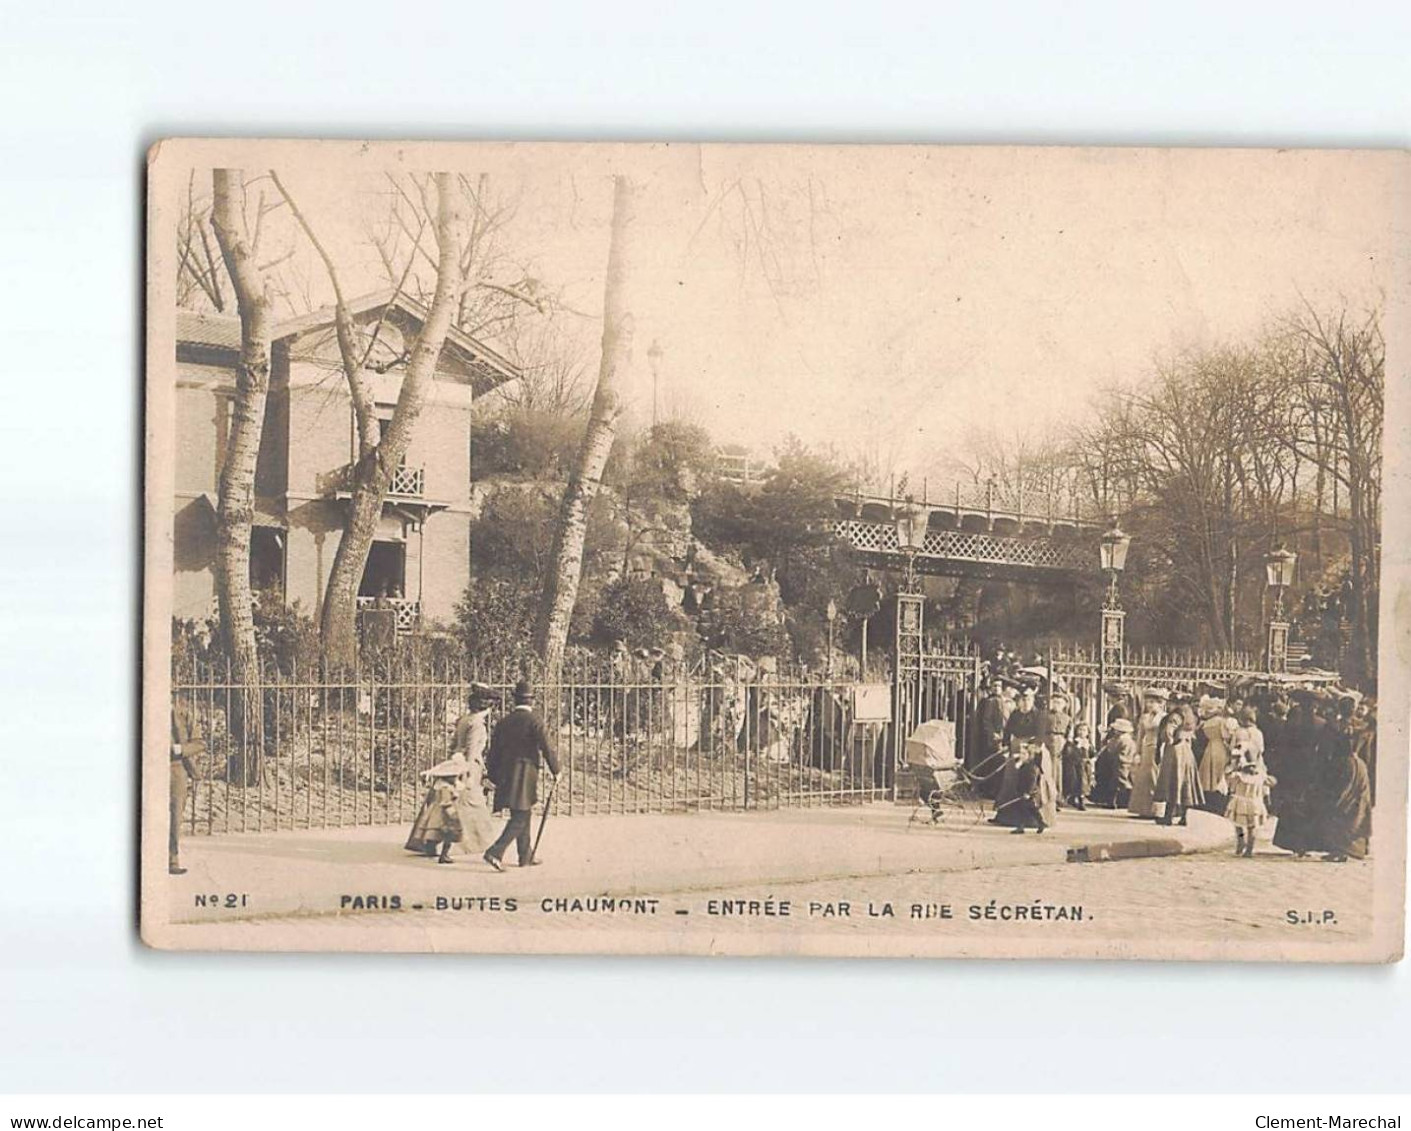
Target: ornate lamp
1279, 566
1112, 552
1112, 556
911, 520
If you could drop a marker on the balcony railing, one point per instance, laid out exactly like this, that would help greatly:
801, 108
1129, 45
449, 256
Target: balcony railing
408, 482
405, 611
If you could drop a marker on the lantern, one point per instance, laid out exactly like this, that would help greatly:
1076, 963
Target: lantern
1112, 550
1279, 565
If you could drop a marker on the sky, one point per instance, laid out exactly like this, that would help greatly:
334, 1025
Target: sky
900, 299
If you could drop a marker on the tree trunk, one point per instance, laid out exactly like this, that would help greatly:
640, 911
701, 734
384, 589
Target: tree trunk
561, 586
372, 474
236, 506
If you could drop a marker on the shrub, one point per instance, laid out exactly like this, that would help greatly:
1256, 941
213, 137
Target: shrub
495, 618
632, 610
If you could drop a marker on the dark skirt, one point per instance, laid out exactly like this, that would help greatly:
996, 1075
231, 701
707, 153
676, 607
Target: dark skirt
435, 824
1075, 775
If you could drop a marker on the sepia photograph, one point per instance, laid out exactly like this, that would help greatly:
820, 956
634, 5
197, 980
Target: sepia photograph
813, 550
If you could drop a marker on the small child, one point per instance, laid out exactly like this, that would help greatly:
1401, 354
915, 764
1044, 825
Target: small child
1078, 767
1028, 804
438, 825
1249, 781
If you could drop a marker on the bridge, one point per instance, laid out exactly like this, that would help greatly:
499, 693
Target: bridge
970, 537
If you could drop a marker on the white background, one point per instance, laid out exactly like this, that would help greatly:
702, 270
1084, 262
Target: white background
87, 87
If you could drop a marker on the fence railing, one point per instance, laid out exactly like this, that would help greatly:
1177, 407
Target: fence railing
298, 755
631, 736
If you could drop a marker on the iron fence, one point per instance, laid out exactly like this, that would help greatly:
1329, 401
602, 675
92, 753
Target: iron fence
292, 753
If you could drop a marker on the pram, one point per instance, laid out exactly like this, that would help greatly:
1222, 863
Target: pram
930, 755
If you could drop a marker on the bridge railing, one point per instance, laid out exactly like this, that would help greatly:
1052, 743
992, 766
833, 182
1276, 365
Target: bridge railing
990, 503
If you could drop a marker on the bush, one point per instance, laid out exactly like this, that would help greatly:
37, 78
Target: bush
671, 461
495, 618
527, 442
632, 610
285, 635
731, 628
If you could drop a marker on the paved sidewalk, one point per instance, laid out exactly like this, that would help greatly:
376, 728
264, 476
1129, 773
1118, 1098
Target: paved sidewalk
332, 871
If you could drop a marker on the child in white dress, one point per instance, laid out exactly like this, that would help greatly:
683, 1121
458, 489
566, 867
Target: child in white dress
1249, 782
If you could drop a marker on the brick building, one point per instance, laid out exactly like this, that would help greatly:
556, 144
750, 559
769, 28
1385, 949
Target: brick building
421, 558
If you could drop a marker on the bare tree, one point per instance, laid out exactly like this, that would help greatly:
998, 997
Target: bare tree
1334, 367
561, 588
380, 455
236, 506
554, 371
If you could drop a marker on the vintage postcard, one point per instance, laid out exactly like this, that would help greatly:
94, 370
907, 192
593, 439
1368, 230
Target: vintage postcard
885, 551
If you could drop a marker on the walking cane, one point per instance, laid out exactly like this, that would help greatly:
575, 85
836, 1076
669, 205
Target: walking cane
543, 820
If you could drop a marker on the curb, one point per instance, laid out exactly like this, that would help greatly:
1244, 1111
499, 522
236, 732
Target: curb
1144, 848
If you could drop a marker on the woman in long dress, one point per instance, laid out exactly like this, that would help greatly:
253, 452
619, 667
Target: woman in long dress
1176, 783
1113, 786
1142, 802
470, 741
1021, 730
1213, 773
1344, 796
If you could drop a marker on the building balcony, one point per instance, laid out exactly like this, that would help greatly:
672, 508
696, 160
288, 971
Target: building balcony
408, 483
399, 613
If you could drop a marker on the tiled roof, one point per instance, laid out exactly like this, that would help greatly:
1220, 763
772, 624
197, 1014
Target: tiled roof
207, 330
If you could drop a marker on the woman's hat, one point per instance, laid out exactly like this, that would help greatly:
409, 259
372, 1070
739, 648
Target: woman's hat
481, 696
452, 767
1156, 693
1121, 726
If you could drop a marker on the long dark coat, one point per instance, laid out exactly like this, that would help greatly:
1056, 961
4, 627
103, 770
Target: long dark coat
513, 761
1345, 826
990, 726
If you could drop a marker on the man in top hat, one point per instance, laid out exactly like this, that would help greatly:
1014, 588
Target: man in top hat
989, 725
513, 764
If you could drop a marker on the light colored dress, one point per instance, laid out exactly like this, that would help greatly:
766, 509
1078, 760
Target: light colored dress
1251, 739
1143, 800
471, 739
1246, 807
1176, 784
1215, 762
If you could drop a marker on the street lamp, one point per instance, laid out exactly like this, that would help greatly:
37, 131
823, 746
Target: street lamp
1279, 565
1112, 552
654, 353
911, 520
1112, 556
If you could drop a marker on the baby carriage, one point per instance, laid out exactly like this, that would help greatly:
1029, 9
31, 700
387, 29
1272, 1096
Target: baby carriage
930, 755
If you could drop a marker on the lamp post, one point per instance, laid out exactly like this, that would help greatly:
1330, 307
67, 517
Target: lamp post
654, 353
1279, 565
1112, 556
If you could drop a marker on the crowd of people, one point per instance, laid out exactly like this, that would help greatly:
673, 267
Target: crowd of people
1306, 756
